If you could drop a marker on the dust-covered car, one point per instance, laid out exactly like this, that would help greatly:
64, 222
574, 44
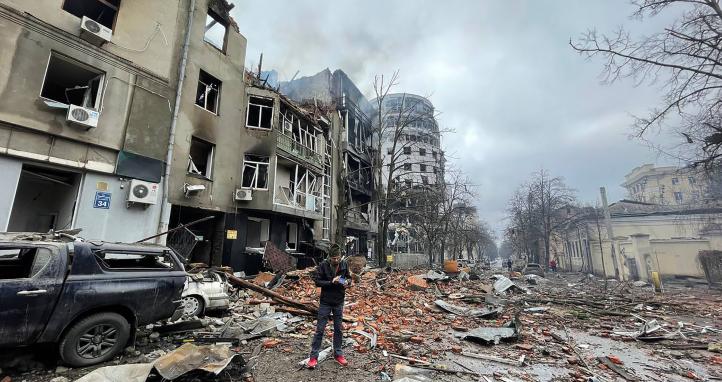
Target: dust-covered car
533, 269
205, 291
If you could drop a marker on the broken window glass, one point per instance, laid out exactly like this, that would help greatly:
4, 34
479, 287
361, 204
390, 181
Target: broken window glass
255, 172
215, 32
102, 11
200, 158
21, 263
208, 93
72, 83
407, 166
424, 179
407, 150
260, 113
422, 151
134, 260
422, 167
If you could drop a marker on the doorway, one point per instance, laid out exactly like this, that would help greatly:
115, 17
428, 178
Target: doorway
44, 200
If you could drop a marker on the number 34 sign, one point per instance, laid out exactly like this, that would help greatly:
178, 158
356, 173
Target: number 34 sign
102, 200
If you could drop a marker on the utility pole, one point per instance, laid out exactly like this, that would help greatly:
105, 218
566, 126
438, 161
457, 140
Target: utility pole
618, 273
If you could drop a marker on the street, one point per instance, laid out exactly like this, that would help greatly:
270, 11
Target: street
570, 327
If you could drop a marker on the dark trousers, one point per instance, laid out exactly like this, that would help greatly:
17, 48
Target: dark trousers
324, 311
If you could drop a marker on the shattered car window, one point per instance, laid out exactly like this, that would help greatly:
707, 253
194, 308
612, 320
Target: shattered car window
118, 260
19, 263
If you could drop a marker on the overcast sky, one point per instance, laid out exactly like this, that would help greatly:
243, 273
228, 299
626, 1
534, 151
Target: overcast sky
501, 73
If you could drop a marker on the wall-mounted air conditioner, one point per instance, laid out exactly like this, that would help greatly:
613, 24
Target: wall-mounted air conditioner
94, 32
83, 116
242, 194
143, 192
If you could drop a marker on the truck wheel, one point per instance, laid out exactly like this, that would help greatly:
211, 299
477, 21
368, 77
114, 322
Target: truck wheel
94, 339
192, 306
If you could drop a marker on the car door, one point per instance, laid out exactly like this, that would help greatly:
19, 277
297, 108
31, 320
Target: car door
30, 281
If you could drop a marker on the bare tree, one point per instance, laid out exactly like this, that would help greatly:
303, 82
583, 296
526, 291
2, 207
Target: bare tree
393, 197
685, 59
538, 211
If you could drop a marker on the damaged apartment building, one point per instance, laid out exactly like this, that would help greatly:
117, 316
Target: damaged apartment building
87, 89
283, 194
353, 219
125, 119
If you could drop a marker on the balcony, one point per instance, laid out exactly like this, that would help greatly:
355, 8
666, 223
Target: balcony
298, 151
360, 181
298, 203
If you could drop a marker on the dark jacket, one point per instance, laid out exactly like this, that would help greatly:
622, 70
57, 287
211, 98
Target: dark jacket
331, 294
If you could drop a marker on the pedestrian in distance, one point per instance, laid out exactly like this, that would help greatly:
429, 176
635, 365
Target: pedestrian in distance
333, 277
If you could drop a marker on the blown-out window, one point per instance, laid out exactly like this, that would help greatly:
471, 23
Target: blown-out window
70, 82
216, 31
200, 158
102, 11
208, 93
255, 172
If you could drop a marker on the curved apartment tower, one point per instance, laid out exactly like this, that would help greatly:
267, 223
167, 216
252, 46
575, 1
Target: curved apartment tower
419, 158
411, 149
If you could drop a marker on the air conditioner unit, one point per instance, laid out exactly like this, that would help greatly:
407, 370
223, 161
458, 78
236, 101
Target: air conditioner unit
242, 194
143, 192
83, 116
94, 32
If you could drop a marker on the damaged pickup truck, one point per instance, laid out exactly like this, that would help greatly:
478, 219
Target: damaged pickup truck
87, 297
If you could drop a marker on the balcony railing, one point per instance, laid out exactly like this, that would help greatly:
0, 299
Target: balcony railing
299, 200
295, 148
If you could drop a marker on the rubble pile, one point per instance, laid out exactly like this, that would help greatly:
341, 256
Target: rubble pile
467, 325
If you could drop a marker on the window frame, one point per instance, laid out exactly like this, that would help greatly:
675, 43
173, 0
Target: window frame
254, 180
101, 77
205, 98
105, 3
209, 160
218, 19
260, 112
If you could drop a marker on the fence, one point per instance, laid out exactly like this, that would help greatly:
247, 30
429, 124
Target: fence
409, 260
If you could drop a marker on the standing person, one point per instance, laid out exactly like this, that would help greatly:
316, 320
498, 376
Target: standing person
508, 264
333, 276
553, 265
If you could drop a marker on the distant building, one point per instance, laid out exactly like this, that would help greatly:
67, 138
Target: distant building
418, 160
666, 185
648, 238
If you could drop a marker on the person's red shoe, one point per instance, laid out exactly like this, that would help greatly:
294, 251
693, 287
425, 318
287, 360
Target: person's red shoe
312, 363
341, 360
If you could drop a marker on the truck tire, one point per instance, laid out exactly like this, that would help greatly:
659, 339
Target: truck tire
94, 339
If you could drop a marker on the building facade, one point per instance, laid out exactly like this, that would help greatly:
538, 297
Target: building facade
646, 239
88, 89
666, 185
128, 118
353, 216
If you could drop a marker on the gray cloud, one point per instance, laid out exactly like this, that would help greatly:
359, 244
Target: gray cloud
501, 73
